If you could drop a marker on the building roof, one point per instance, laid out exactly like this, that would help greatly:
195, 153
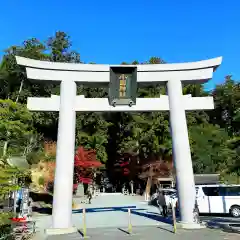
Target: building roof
206, 178
199, 179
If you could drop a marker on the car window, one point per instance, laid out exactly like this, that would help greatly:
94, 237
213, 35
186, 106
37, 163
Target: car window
232, 191
169, 192
211, 191
174, 195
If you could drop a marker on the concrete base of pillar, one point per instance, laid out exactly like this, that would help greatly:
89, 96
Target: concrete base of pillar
59, 231
190, 226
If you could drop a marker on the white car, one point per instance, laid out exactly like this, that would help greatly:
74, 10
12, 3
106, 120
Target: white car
173, 200
223, 199
168, 193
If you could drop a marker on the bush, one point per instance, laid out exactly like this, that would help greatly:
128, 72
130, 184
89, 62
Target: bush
34, 157
5, 226
5, 218
5, 231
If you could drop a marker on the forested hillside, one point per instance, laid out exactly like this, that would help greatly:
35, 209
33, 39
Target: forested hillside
214, 135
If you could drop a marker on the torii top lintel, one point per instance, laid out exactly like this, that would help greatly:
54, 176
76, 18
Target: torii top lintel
96, 73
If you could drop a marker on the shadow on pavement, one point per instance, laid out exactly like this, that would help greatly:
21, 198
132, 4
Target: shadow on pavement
224, 227
48, 210
150, 215
229, 225
165, 229
41, 197
134, 210
42, 210
124, 231
222, 220
104, 209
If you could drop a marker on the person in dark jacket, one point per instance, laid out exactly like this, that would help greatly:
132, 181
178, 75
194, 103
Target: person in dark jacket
162, 203
89, 195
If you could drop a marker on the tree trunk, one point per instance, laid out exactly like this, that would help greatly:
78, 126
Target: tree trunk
148, 188
20, 90
94, 183
132, 187
15, 199
5, 148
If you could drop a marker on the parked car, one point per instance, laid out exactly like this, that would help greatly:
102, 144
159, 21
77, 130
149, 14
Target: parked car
168, 193
219, 199
174, 200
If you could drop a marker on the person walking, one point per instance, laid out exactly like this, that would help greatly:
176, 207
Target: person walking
162, 203
89, 195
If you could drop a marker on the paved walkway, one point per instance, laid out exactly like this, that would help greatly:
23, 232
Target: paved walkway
112, 211
108, 211
153, 233
106, 214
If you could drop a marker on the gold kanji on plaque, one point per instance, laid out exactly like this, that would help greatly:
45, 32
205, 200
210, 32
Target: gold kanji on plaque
122, 85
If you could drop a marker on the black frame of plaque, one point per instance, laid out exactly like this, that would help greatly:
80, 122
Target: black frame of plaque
114, 86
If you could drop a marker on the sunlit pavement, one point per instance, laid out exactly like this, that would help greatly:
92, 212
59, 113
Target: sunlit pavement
106, 214
152, 233
222, 222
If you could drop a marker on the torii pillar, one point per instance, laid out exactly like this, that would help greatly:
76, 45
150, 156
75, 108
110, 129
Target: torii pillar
68, 103
63, 181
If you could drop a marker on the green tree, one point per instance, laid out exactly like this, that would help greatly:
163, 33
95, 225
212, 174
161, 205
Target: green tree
8, 177
15, 85
16, 126
156, 60
59, 46
13, 80
227, 105
210, 150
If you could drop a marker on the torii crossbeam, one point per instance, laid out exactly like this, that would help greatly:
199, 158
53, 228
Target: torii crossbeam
83, 104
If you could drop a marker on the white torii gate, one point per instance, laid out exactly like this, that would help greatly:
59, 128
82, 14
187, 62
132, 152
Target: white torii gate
68, 74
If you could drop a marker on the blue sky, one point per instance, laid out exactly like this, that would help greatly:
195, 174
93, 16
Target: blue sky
114, 31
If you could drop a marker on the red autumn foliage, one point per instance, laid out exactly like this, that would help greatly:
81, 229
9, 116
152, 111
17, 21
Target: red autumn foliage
75, 185
129, 165
123, 164
157, 169
51, 170
84, 163
126, 171
48, 171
